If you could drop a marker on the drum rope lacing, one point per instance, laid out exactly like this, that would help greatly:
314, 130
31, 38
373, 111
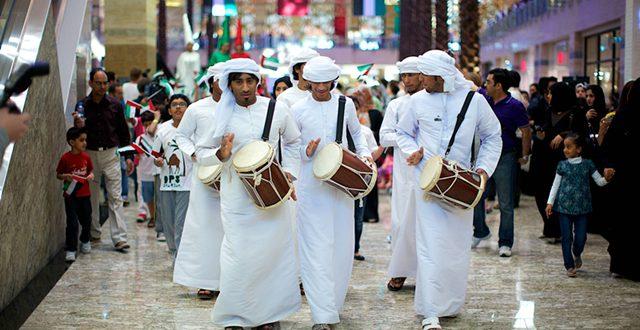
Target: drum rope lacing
455, 169
361, 175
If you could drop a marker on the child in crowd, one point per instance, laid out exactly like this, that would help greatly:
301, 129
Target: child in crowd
175, 174
573, 202
385, 173
76, 169
146, 210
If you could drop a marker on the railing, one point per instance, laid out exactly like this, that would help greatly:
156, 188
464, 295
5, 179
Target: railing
521, 14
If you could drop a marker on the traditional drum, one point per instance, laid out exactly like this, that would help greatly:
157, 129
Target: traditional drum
344, 170
261, 174
449, 182
210, 176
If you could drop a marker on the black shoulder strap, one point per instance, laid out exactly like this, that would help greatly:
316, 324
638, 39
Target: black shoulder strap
341, 102
461, 115
268, 120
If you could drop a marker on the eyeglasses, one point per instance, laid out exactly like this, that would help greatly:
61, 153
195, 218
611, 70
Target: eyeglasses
181, 104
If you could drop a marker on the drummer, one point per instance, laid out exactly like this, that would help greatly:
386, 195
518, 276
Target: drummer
403, 213
198, 260
258, 275
442, 232
325, 214
300, 88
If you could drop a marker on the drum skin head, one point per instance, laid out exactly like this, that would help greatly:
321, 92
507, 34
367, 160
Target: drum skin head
207, 174
327, 161
431, 173
251, 156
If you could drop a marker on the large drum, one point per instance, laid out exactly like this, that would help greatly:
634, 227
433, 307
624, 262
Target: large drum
451, 183
210, 176
344, 170
261, 175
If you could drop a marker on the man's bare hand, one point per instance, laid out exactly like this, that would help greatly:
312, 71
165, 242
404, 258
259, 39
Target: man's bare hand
312, 146
415, 157
15, 125
225, 147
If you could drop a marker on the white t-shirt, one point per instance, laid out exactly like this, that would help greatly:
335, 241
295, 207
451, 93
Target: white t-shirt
175, 177
146, 168
130, 91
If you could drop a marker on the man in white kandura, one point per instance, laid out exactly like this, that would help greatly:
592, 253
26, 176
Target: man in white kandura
325, 214
300, 88
198, 261
403, 202
258, 273
442, 231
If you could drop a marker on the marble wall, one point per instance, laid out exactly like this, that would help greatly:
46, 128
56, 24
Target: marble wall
130, 28
32, 218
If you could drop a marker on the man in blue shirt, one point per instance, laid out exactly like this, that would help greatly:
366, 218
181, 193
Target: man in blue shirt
513, 116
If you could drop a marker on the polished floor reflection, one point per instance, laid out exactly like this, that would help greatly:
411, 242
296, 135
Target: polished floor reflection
108, 289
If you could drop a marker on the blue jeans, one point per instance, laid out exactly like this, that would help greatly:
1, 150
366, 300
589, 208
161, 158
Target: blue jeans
573, 229
480, 228
505, 178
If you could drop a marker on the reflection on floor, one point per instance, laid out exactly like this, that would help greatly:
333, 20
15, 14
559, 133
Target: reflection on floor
107, 289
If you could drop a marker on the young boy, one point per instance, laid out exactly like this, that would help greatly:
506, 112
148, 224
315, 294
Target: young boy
76, 169
145, 167
175, 174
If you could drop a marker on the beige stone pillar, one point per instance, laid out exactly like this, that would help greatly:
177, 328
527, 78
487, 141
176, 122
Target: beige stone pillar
130, 35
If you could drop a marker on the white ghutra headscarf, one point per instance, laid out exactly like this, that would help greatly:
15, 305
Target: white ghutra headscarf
301, 56
409, 65
321, 69
212, 71
227, 103
439, 63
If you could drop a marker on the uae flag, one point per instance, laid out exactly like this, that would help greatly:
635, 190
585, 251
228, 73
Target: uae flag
130, 109
71, 188
368, 8
140, 149
364, 69
270, 63
293, 7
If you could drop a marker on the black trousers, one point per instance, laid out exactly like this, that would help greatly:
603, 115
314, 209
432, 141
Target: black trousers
78, 211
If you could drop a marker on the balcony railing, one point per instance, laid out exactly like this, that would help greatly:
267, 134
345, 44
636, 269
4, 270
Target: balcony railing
521, 14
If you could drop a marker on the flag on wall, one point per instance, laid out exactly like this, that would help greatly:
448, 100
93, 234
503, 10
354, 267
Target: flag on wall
293, 7
369, 8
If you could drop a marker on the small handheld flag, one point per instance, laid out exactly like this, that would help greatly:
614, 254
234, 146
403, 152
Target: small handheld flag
130, 109
71, 188
270, 63
364, 69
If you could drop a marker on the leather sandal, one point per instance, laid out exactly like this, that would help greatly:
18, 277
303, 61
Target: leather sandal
396, 283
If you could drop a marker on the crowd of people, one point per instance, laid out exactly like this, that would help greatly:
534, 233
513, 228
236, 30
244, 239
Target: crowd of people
558, 142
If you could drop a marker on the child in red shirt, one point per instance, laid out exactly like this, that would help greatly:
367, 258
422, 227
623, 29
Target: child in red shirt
76, 169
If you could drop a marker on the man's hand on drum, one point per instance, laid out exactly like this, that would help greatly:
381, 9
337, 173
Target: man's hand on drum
225, 147
483, 173
415, 157
312, 146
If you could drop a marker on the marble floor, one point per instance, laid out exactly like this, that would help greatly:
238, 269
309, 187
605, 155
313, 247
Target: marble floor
108, 289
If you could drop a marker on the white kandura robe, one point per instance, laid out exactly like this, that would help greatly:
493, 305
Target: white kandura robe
198, 260
443, 233
259, 277
292, 95
187, 68
325, 214
403, 202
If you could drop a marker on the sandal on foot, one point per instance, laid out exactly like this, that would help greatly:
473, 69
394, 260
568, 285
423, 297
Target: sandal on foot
322, 326
431, 323
269, 326
204, 294
396, 283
